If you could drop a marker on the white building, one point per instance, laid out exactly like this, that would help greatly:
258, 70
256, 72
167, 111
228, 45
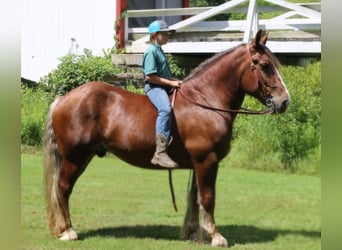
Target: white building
51, 28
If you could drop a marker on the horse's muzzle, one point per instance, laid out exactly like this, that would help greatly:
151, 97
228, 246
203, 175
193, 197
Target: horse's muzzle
284, 106
276, 106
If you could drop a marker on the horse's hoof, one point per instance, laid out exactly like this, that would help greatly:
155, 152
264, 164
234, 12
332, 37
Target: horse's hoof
219, 241
68, 234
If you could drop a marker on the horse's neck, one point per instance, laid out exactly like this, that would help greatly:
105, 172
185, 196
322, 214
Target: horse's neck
219, 84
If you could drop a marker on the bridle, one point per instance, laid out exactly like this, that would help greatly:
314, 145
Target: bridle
269, 101
268, 96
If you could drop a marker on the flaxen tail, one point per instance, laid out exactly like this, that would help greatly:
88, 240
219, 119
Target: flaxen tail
52, 164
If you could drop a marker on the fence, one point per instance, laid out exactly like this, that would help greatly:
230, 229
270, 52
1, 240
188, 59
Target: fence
296, 27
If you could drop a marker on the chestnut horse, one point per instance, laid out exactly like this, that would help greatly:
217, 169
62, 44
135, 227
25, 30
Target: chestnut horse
96, 118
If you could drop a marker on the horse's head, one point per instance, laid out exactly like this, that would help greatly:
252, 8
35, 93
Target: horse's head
262, 80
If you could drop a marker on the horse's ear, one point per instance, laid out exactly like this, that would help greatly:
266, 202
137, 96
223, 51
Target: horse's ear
263, 40
259, 38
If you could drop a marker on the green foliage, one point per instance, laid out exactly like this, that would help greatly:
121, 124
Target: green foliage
286, 140
262, 15
205, 3
301, 127
133, 88
177, 72
74, 70
117, 48
34, 107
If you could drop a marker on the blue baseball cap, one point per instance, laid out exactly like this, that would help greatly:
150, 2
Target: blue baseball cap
159, 26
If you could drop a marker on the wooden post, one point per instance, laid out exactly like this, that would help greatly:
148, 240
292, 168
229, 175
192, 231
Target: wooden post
186, 4
121, 6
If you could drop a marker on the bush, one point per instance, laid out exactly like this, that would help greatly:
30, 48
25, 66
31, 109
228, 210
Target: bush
290, 138
301, 128
75, 70
176, 71
34, 107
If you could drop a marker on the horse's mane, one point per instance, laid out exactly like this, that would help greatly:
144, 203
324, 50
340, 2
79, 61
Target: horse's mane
205, 64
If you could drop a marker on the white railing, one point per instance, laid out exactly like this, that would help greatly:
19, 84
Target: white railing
306, 16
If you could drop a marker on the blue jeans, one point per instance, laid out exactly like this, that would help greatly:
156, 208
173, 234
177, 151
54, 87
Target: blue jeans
160, 99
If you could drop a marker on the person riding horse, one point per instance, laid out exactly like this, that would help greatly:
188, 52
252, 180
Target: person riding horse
97, 117
158, 84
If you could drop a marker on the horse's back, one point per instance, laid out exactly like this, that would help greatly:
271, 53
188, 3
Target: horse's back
98, 112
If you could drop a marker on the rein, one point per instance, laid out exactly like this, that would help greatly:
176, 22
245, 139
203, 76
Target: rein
173, 197
239, 111
269, 102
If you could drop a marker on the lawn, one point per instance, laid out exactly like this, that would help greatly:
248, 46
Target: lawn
116, 206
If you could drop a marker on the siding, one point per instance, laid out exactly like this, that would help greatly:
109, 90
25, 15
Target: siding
49, 25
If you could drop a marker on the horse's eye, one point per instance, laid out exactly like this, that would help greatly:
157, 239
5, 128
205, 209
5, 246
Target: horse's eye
255, 61
265, 66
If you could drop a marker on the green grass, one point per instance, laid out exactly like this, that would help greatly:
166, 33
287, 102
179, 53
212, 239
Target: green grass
116, 206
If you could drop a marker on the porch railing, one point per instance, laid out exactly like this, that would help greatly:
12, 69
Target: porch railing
295, 17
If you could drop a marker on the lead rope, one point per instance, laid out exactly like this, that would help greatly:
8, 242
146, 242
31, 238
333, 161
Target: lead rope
173, 197
172, 191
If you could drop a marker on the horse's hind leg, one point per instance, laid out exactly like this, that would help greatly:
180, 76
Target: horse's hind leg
68, 177
65, 185
59, 183
190, 227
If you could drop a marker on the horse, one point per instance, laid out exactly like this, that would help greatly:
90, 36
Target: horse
97, 117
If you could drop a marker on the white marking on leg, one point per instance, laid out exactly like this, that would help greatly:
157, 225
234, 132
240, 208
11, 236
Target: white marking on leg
209, 229
68, 234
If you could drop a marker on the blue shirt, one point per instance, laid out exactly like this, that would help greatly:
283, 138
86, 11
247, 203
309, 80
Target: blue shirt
155, 62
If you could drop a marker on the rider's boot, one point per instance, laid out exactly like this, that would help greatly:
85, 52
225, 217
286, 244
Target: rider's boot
161, 157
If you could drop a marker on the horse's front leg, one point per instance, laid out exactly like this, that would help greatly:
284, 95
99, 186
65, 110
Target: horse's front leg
206, 173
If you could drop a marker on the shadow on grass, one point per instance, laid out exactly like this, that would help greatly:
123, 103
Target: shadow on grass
236, 234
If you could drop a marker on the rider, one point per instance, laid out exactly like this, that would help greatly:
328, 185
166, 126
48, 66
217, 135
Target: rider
158, 84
